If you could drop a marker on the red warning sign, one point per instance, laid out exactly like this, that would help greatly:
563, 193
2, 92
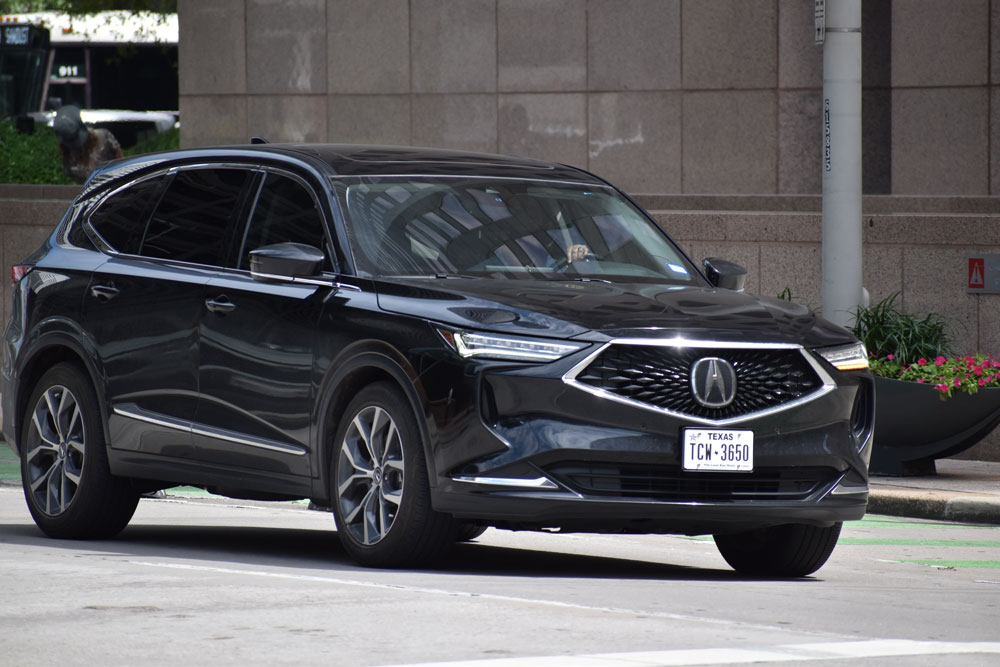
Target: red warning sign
977, 272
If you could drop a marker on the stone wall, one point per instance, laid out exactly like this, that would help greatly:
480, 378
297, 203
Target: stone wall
679, 96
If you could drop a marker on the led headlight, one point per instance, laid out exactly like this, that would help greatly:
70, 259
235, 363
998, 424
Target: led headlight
853, 357
513, 348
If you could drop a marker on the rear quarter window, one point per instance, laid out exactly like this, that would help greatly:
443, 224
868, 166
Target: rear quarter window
121, 219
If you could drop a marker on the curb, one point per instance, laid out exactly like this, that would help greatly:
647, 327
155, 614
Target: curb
936, 505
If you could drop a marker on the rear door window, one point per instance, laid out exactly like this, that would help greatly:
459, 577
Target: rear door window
195, 217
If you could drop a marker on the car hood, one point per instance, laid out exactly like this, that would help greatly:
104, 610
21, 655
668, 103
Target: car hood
600, 311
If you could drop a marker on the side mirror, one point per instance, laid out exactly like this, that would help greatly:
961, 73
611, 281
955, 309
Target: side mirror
724, 274
285, 261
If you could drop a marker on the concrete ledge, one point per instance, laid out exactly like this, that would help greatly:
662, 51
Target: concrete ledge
814, 203
978, 230
25, 191
936, 505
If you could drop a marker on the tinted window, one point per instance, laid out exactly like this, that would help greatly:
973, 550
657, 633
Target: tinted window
285, 212
193, 220
506, 229
121, 219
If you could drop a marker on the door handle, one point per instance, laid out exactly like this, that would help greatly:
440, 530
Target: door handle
220, 305
104, 292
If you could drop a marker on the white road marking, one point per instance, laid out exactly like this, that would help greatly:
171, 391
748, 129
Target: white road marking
798, 653
484, 596
837, 650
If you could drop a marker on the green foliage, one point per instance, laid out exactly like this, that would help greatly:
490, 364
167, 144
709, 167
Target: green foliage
34, 158
30, 158
886, 330
88, 6
165, 141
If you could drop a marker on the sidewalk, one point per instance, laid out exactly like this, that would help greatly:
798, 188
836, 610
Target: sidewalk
964, 491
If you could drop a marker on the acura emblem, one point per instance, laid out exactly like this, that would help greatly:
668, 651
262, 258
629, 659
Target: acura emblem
713, 382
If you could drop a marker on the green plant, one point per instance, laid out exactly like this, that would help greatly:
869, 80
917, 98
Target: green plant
904, 347
887, 331
30, 158
966, 373
164, 141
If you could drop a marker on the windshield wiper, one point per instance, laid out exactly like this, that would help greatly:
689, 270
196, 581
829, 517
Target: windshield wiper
581, 279
425, 276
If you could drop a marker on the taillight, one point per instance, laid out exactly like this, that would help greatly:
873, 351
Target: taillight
19, 271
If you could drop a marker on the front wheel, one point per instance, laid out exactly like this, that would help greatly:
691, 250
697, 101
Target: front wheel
380, 491
790, 550
68, 486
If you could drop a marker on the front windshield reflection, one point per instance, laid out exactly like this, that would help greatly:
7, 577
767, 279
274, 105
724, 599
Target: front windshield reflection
477, 227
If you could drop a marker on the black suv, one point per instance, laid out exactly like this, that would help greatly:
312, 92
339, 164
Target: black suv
429, 343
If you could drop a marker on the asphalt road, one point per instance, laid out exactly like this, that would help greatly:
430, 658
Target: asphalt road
213, 582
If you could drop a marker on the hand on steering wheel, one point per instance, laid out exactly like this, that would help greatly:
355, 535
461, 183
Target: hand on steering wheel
575, 253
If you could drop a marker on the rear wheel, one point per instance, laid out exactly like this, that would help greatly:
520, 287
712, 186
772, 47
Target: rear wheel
68, 486
381, 496
469, 531
790, 550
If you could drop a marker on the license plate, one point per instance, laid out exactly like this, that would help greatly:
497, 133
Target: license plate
718, 450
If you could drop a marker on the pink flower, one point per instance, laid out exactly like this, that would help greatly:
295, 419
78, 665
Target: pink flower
921, 361
978, 370
940, 361
891, 357
982, 383
920, 380
942, 388
956, 383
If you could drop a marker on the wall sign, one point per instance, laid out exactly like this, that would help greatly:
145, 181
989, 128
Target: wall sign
984, 274
819, 20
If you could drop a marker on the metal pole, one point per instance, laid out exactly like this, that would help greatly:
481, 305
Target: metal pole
842, 288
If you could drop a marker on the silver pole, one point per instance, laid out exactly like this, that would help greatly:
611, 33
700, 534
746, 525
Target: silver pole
842, 288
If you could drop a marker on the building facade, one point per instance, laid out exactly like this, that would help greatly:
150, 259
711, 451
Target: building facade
660, 96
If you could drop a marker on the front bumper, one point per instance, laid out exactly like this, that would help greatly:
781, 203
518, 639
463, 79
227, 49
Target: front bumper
549, 455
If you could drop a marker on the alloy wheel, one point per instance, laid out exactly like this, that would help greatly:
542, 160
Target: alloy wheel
56, 441
370, 475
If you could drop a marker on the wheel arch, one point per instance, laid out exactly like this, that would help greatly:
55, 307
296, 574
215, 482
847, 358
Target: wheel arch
49, 351
358, 366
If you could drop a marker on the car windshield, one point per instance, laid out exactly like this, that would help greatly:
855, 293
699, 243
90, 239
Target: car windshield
498, 228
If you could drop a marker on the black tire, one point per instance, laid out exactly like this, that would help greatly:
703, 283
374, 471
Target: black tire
468, 531
68, 486
379, 484
790, 550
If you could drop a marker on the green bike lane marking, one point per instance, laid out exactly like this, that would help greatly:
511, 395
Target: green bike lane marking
10, 466
902, 542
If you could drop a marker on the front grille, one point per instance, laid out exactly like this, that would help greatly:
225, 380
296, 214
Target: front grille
671, 483
660, 376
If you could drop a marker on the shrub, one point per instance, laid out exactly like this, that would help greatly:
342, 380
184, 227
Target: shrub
885, 330
30, 158
164, 141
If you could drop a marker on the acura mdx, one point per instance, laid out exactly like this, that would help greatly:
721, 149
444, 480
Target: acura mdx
429, 343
